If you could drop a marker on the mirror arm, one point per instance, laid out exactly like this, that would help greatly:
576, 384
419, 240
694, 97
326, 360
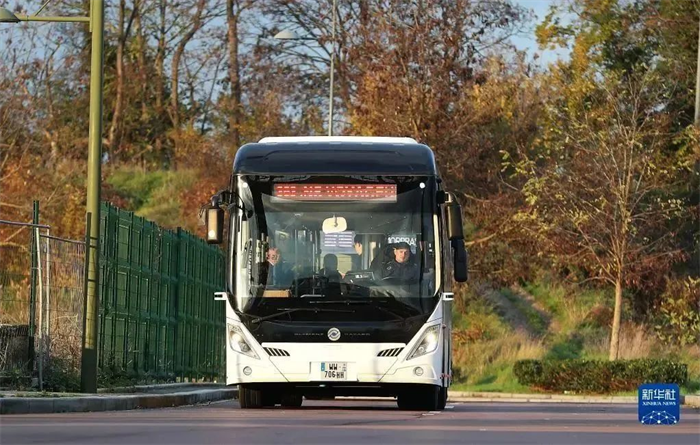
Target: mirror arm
222, 197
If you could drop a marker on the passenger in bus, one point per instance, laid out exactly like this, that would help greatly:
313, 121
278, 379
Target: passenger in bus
330, 268
356, 258
277, 270
401, 267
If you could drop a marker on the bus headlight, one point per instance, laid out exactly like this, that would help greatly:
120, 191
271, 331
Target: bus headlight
428, 342
238, 343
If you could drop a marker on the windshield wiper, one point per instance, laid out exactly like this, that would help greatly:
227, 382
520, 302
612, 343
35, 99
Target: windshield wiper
298, 309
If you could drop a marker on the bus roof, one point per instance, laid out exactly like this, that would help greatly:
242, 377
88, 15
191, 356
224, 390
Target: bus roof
336, 155
361, 139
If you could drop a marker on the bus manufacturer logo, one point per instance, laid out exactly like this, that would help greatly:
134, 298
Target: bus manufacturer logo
333, 334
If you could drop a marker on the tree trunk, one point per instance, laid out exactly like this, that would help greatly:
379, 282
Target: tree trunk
615, 336
143, 69
175, 67
119, 99
160, 59
160, 74
175, 76
232, 16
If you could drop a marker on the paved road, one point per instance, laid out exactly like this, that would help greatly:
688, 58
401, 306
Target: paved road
353, 422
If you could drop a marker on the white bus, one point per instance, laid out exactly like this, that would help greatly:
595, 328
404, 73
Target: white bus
341, 254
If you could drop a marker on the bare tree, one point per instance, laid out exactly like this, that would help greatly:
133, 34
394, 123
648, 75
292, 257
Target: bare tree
124, 26
234, 9
600, 191
196, 24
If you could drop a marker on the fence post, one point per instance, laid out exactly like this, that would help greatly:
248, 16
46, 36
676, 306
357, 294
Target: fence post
47, 291
37, 244
179, 343
32, 289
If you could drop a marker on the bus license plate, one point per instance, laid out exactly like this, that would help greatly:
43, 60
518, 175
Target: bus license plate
333, 370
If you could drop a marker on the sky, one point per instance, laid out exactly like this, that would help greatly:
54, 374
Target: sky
527, 42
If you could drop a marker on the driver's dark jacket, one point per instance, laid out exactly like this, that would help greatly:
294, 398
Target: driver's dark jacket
405, 272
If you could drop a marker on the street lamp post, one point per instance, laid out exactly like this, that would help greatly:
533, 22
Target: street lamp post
290, 35
88, 376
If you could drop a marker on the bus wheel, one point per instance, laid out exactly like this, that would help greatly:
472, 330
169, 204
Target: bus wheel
420, 398
442, 398
249, 398
292, 400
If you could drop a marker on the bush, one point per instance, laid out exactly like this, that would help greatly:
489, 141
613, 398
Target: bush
62, 375
597, 376
528, 371
678, 320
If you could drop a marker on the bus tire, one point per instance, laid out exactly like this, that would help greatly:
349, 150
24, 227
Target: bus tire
249, 398
406, 402
442, 398
292, 400
421, 398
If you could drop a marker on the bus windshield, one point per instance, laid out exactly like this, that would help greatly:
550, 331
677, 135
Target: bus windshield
314, 249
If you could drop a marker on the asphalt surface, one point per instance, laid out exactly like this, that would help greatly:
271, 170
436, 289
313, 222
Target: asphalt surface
353, 422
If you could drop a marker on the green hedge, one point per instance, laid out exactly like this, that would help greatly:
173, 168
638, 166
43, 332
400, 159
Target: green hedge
598, 376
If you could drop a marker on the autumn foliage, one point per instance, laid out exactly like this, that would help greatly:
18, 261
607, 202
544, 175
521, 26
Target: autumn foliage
586, 167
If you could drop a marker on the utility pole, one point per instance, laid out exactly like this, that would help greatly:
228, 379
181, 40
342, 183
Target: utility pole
88, 375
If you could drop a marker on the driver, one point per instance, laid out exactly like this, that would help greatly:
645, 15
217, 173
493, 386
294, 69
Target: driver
401, 267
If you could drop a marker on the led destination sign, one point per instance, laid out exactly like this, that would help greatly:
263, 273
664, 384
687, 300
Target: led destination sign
336, 192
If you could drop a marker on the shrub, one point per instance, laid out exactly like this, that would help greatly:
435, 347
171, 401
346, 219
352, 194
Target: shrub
528, 371
678, 322
598, 376
62, 376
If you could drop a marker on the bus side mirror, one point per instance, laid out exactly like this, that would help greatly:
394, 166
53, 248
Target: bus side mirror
459, 263
454, 219
456, 235
215, 225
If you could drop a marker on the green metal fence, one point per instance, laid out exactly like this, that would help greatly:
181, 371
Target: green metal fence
158, 318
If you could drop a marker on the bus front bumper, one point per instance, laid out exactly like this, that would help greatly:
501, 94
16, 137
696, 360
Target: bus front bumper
359, 364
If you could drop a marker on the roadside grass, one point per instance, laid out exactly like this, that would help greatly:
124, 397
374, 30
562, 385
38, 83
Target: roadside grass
486, 346
503, 382
537, 323
568, 307
479, 320
152, 194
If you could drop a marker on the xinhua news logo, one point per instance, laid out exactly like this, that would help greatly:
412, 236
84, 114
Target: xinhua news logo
659, 404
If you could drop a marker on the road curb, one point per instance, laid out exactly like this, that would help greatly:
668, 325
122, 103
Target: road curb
470, 396
158, 386
46, 405
693, 401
